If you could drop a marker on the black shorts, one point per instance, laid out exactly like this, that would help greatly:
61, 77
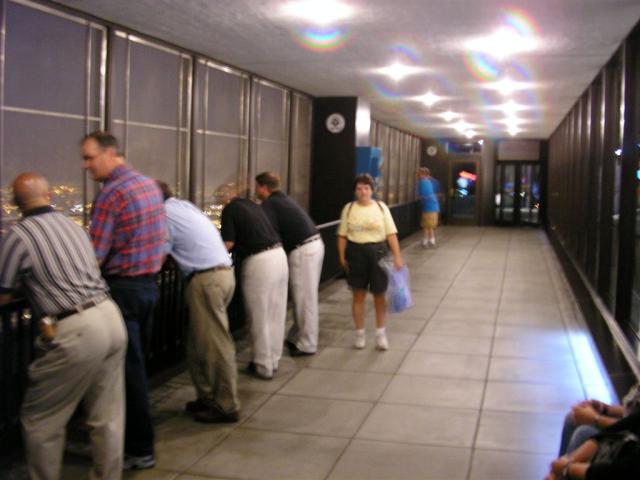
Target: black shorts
364, 273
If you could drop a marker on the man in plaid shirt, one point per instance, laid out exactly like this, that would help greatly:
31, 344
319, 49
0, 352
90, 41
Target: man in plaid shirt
128, 230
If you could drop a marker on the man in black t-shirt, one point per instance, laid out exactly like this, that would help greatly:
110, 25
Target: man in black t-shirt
305, 252
264, 274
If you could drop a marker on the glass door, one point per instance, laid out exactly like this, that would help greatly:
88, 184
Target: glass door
463, 191
518, 195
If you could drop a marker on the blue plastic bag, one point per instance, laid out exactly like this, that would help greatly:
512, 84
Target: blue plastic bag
399, 290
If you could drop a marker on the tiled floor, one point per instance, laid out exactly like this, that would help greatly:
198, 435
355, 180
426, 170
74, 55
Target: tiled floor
474, 386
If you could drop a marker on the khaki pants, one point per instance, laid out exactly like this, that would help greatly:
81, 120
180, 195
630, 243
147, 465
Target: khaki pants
264, 287
211, 354
85, 361
305, 267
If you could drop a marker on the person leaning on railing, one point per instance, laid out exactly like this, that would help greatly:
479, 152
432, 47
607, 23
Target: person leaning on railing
81, 349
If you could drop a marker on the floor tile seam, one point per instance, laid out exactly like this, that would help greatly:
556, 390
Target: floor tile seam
305, 434
572, 300
561, 415
366, 417
315, 397
420, 443
491, 348
448, 409
310, 397
404, 357
514, 451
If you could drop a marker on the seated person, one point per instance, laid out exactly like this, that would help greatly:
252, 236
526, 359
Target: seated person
588, 463
587, 418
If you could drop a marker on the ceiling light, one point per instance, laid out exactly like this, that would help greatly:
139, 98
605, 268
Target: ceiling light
448, 115
511, 108
512, 120
470, 133
502, 43
398, 71
513, 130
506, 86
481, 142
461, 126
320, 12
428, 98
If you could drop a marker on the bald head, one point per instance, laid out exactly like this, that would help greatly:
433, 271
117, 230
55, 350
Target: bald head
31, 190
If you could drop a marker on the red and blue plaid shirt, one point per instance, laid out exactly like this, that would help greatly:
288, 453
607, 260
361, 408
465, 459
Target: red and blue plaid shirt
128, 224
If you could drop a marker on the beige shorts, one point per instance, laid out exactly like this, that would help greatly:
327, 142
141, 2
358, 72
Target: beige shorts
429, 220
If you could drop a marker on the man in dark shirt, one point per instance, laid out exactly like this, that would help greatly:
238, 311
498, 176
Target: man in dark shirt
305, 253
263, 276
128, 230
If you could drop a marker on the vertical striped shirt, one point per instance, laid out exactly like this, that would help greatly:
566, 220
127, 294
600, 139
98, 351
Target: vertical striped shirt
50, 259
128, 224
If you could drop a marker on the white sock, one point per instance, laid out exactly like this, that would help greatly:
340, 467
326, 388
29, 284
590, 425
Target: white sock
380, 331
360, 332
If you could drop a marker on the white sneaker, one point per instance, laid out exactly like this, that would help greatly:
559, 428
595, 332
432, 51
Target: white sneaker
425, 243
382, 343
432, 243
358, 339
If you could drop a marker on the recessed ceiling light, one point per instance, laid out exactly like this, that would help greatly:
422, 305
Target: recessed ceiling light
461, 126
510, 108
320, 12
506, 86
429, 98
513, 130
503, 43
470, 133
398, 71
448, 115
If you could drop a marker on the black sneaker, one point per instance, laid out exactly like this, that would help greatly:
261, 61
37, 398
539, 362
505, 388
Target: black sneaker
132, 462
196, 406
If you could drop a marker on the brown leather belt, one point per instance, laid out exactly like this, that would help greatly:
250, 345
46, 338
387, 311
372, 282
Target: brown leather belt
212, 269
80, 308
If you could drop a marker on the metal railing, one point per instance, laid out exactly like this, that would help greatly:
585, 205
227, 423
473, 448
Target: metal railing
18, 332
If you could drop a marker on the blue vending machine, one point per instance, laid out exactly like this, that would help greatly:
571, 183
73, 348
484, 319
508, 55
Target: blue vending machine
369, 160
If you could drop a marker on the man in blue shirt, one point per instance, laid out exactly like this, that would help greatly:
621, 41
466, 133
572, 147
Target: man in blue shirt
196, 246
428, 193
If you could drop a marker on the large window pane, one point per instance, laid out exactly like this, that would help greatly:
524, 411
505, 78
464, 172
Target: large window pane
54, 88
299, 175
270, 130
151, 107
220, 134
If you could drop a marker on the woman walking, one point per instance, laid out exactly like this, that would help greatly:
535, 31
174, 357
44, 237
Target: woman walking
365, 235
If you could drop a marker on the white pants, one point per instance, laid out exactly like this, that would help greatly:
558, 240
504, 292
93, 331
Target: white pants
264, 288
85, 361
305, 267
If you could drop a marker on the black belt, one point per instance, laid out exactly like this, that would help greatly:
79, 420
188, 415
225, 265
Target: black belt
80, 308
270, 247
310, 239
212, 269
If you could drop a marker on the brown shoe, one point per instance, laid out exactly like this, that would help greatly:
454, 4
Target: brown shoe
212, 415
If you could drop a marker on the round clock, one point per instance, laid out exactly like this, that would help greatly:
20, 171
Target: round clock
432, 150
335, 123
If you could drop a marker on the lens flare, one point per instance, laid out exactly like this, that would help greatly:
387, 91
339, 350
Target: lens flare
322, 40
481, 66
521, 22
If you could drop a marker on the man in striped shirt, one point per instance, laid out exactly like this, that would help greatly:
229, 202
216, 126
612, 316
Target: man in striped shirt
48, 258
128, 229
